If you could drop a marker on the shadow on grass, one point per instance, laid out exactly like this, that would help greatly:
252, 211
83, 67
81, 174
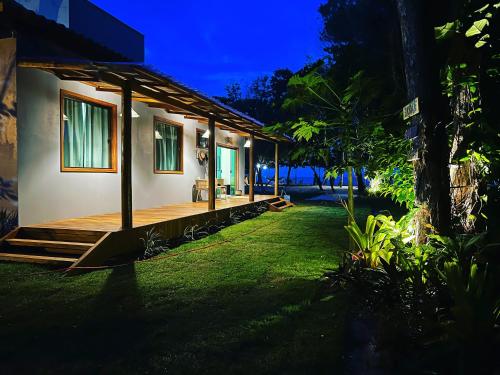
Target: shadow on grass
244, 328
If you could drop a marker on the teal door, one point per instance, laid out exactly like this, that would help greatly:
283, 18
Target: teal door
227, 167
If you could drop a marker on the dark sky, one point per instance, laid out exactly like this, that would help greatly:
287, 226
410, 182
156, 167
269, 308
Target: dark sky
210, 43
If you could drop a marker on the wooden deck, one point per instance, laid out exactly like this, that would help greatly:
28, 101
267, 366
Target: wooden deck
93, 240
148, 216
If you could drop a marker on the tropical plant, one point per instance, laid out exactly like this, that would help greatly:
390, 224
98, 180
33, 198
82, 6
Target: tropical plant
460, 248
476, 306
153, 244
374, 242
8, 221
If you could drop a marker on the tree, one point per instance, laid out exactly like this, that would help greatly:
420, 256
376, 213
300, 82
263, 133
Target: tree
422, 72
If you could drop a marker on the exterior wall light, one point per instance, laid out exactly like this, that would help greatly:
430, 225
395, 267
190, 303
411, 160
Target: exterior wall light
134, 114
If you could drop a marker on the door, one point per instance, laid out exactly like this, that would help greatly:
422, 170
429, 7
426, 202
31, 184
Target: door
227, 167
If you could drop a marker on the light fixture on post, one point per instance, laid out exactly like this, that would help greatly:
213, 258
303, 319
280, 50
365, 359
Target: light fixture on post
206, 135
248, 143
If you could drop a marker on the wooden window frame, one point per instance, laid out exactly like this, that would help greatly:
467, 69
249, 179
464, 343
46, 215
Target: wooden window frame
113, 130
237, 148
200, 131
180, 125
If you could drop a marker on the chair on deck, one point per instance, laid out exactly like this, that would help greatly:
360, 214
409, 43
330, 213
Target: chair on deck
201, 185
222, 187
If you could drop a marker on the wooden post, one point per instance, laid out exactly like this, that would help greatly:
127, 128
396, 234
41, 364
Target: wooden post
211, 165
126, 188
251, 171
276, 169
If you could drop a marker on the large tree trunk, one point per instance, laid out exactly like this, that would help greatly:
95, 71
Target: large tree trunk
421, 61
465, 179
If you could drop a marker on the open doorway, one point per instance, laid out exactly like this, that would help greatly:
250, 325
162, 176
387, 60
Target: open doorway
227, 167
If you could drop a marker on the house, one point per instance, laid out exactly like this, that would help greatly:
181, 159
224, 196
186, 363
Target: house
96, 148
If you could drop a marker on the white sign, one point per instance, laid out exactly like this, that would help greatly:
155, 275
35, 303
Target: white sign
411, 109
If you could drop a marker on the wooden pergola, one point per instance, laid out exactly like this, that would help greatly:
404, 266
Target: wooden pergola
139, 83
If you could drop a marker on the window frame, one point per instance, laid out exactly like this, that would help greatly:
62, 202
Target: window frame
113, 130
180, 127
200, 131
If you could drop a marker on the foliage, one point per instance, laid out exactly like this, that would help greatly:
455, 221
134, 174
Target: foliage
397, 184
461, 248
382, 236
7, 190
475, 308
153, 244
8, 221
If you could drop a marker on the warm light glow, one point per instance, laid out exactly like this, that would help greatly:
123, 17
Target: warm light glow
158, 135
248, 143
206, 134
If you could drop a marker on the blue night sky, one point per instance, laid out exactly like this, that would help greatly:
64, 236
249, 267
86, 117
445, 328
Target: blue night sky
208, 44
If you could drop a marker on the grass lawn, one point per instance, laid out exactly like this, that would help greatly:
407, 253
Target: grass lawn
252, 302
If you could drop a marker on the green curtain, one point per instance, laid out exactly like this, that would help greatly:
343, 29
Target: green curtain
233, 171
167, 147
87, 135
219, 162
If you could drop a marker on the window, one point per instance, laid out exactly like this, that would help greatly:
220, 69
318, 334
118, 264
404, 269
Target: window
88, 134
168, 146
200, 141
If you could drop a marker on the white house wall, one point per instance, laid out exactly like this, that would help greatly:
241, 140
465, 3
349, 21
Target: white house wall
47, 194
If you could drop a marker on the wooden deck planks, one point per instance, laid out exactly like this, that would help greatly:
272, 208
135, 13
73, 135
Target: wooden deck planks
144, 217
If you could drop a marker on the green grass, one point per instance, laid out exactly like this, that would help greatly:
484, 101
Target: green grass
251, 302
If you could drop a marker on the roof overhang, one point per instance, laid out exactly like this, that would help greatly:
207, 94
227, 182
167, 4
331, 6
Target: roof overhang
156, 90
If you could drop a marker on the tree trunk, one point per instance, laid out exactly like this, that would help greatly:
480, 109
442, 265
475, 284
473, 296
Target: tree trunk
465, 179
288, 174
361, 182
317, 179
350, 204
332, 183
259, 178
421, 61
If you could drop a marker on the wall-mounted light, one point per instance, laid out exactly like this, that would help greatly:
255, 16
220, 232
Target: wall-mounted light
258, 166
158, 135
206, 135
65, 118
134, 114
248, 143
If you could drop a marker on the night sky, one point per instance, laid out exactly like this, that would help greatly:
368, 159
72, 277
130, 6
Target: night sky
210, 43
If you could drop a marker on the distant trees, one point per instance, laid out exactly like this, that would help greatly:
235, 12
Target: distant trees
263, 100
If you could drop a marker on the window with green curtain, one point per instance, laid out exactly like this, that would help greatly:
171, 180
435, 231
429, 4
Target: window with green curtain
168, 147
87, 135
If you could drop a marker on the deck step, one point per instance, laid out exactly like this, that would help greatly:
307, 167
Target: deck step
59, 234
32, 258
57, 246
280, 205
